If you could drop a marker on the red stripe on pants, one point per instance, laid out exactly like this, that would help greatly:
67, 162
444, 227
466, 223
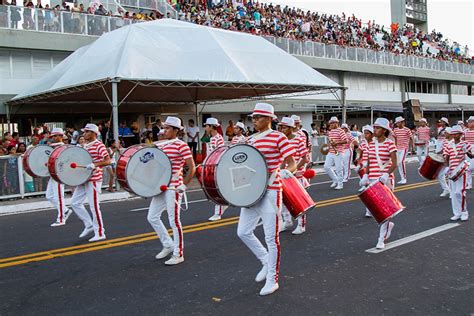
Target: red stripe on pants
178, 226
61, 215
277, 238
463, 192
403, 163
96, 209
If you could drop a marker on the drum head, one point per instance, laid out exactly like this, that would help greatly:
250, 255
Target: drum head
241, 175
38, 160
147, 170
437, 157
62, 165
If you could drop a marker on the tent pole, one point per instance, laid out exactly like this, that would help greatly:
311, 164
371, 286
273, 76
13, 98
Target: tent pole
115, 109
7, 110
371, 115
344, 109
198, 125
462, 114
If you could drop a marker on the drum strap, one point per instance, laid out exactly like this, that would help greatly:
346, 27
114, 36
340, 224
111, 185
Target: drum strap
254, 137
377, 156
165, 142
273, 176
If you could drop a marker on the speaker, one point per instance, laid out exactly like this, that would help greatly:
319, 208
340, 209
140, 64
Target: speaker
411, 112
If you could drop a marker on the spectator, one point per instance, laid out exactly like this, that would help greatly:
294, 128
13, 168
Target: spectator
73, 134
149, 138
81, 141
193, 136
45, 138
124, 130
10, 171
229, 132
15, 139
34, 141
21, 148
156, 129
15, 16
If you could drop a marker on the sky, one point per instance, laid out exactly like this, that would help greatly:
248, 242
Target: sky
453, 18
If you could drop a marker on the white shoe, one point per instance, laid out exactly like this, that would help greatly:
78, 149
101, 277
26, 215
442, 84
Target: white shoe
361, 189
298, 230
334, 184
269, 288
214, 218
455, 217
404, 181
174, 260
339, 187
464, 216
164, 253
97, 238
389, 230
67, 214
345, 180
262, 274
368, 214
469, 187
285, 226
86, 231
57, 223
380, 245
444, 193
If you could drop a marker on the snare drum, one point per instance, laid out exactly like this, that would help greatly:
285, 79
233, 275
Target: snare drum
295, 197
143, 169
432, 166
459, 170
35, 160
61, 170
235, 175
381, 202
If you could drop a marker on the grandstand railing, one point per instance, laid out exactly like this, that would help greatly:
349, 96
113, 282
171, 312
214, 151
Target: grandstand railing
161, 6
15, 17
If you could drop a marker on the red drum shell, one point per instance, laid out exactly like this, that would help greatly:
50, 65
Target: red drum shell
55, 155
208, 177
381, 202
460, 170
296, 198
432, 166
121, 169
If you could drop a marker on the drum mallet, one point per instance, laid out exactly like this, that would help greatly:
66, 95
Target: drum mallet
74, 165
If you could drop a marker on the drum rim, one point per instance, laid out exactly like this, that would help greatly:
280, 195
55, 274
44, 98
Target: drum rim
62, 148
204, 188
434, 155
26, 164
391, 216
465, 165
369, 186
143, 146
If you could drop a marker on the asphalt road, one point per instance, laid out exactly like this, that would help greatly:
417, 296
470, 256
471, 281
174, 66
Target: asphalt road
327, 270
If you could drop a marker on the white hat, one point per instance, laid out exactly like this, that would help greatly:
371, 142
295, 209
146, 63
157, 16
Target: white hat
264, 109
212, 121
173, 121
241, 125
471, 118
57, 131
368, 128
287, 121
333, 120
443, 119
383, 123
399, 119
456, 129
460, 122
91, 127
296, 118
344, 125
448, 130
423, 120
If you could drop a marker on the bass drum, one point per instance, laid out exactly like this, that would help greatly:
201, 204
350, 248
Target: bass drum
35, 161
61, 161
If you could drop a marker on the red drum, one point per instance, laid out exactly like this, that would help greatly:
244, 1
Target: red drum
35, 160
432, 166
381, 202
235, 175
459, 170
143, 169
62, 160
295, 197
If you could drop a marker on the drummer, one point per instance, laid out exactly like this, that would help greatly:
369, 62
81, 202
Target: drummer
447, 139
277, 150
423, 140
348, 149
304, 135
469, 138
403, 138
239, 131
216, 141
455, 153
337, 139
288, 128
381, 160
92, 189
179, 154
55, 190
440, 136
363, 148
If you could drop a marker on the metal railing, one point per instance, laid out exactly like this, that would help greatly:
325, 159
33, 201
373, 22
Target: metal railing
161, 6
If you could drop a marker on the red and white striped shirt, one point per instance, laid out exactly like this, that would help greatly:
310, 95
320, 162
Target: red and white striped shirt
380, 163
177, 151
337, 135
238, 140
350, 140
423, 134
456, 153
98, 153
469, 136
300, 151
364, 148
216, 141
441, 133
402, 136
275, 147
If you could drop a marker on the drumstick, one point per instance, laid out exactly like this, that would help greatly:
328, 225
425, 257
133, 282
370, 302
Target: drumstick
74, 165
164, 187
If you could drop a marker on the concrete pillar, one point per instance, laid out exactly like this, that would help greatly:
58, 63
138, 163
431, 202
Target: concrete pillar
115, 120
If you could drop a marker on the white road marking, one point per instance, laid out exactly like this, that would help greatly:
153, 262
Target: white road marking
415, 237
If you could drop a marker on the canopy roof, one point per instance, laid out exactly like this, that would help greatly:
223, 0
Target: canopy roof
174, 61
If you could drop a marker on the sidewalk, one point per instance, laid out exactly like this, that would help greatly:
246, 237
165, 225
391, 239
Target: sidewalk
40, 203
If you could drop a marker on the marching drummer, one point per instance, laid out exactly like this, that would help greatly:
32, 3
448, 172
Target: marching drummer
447, 139
276, 149
403, 138
179, 154
239, 130
363, 149
55, 190
304, 135
348, 149
469, 138
216, 141
337, 138
455, 153
300, 156
92, 189
422, 142
381, 160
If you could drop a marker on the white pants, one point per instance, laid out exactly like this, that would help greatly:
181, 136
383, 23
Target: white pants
220, 209
458, 195
469, 173
170, 201
55, 195
442, 179
334, 160
421, 153
91, 191
346, 164
268, 209
384, 226
401, 156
